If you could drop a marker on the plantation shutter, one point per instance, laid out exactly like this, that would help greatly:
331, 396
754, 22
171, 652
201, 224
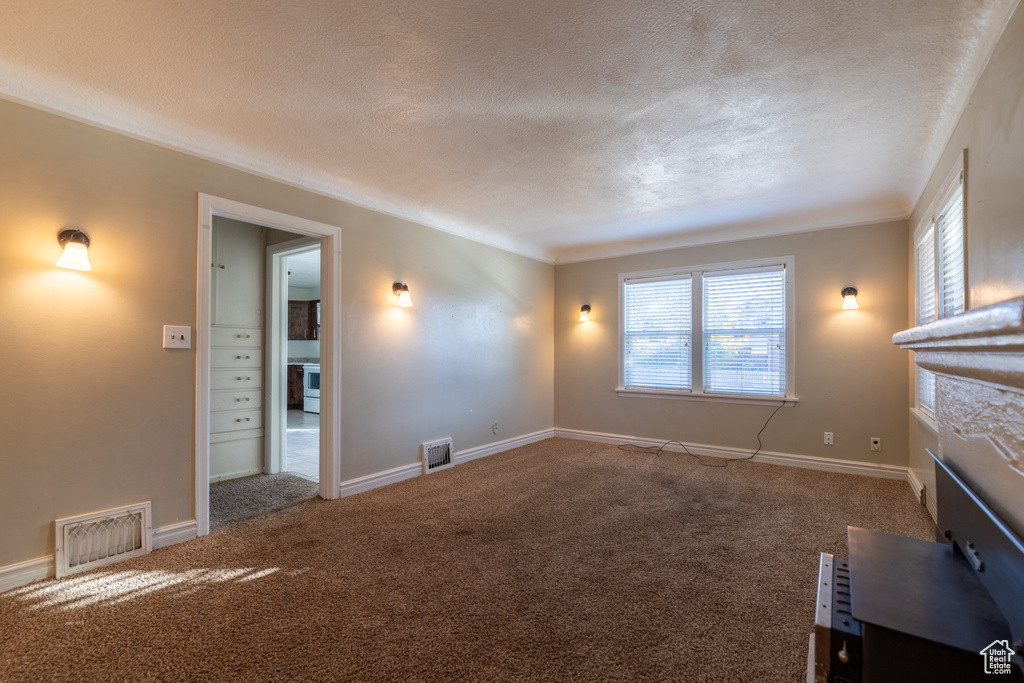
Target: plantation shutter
745, 331
657, 328
950, 226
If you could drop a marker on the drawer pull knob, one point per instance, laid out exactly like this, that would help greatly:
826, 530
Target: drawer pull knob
239, 336
238, 419
240, 399
240, 357
243, 379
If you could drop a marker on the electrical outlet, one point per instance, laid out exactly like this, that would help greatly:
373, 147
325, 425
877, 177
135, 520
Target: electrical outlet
828, 439
876, 443
177, 337
494, 427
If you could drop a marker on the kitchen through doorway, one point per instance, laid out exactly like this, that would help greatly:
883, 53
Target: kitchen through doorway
302, 358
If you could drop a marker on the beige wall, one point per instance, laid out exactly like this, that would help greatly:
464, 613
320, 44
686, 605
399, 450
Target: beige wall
992, 131
94, 413
849, 378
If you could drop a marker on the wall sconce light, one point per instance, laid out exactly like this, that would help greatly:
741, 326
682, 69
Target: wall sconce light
585, 313
850, 299
402, 292
76, 250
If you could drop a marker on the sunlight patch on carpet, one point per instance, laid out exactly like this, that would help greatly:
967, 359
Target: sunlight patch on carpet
118, 587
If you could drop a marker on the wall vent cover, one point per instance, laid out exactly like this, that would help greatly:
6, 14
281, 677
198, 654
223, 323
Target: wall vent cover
100, 538
437, 455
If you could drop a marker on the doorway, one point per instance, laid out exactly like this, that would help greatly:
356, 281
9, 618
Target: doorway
328, 239
294, 319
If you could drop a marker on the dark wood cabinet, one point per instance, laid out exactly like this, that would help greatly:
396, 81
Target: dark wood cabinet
303, 320
295, 386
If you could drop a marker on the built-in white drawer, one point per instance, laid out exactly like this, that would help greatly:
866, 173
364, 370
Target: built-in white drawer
225, 437
243, 378
236, 358
245, 337
240, 457
235, 420
236, 400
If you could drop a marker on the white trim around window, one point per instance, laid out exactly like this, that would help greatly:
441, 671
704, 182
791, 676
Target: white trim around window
683, 328
940, 270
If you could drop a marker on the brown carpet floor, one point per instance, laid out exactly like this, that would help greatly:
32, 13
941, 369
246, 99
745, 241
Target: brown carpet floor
240, 499
562, 560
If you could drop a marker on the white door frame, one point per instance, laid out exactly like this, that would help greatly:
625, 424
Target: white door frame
330, 340
276, 417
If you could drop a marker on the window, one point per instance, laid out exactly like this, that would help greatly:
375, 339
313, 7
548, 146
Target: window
722, 331
939, 246
745, 332
925, 257
657, 333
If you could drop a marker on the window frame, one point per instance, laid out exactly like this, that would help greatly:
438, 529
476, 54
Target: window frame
955, 179
696, 274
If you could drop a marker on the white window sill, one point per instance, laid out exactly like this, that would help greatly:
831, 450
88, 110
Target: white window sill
747, 399
926, 420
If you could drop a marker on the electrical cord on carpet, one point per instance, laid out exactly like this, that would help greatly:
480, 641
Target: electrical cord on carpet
657, 450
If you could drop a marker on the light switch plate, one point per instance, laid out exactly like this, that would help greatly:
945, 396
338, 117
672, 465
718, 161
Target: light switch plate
177, 337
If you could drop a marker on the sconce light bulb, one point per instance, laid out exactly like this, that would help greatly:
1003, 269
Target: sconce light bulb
76, 250
850, 299
585, 313
402, 290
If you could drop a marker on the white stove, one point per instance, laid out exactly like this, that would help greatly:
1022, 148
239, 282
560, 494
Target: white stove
311, 387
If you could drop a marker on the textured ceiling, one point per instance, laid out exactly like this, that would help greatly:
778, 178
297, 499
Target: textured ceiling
562, 130
304, 269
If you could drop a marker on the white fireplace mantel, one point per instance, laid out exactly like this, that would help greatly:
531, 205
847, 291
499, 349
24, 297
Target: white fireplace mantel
978, 358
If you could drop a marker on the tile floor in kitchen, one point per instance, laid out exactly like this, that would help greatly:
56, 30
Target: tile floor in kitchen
303, 458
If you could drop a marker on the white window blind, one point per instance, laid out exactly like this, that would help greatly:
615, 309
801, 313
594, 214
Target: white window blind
926, 389
926, 277
950, 224
926, 311
745, 331
657, 330
941, 282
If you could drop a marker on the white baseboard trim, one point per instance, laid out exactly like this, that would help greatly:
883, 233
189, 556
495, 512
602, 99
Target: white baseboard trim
23, 573
17, 575
929, 501
915, 483
397, 474
174, 533
372, 481
501, 446
235, 475
810, 462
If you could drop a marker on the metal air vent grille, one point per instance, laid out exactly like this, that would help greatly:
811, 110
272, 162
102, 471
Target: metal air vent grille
100, 538
437, 455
